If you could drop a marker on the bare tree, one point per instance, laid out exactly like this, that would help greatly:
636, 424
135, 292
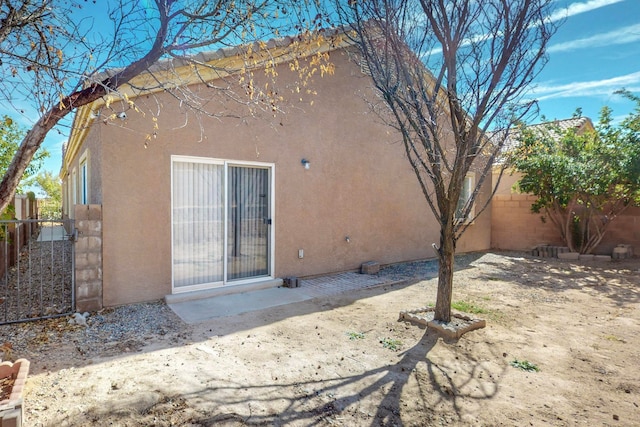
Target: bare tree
55, 60
447, 73
21, 15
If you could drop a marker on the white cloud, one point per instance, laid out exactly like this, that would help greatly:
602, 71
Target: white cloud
590, 88
578, 8
571, 10
624, 35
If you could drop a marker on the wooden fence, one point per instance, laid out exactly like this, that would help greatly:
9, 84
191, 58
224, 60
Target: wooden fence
13, 236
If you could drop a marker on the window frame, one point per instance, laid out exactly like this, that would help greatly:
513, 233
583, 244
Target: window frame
465, 194
84, 179
226, 164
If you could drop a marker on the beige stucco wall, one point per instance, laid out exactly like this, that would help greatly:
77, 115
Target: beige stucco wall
359, 185
507, 181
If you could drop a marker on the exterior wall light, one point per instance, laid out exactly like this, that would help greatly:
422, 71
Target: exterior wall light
305, 163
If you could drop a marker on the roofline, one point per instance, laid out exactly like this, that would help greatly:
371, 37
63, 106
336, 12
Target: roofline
199, 68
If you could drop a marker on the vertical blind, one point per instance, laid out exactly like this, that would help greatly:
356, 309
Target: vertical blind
199, 223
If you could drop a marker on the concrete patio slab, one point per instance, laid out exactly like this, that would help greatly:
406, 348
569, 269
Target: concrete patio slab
199, 310
195, 311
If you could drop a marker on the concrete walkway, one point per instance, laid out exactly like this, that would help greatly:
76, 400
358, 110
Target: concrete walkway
56, 232
228, 305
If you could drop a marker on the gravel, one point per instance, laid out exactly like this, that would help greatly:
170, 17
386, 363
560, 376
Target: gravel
108, 332
39, 285
128, 328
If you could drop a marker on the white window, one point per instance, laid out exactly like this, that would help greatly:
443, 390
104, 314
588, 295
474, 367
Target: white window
67, 194
74, 187
468, 186
84, 180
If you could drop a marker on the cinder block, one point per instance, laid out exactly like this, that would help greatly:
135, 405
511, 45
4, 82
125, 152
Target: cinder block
81, 224
95, 259
95, 212
94, 243
88, 260
629, 249
569, 255
89, 290
602, 258
81, 212
370, 267
620, 252
87, 275
90, 305
82, 245
94, 228
587, 257
82, 261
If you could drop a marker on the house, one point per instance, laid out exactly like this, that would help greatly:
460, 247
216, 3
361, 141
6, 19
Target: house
233, 202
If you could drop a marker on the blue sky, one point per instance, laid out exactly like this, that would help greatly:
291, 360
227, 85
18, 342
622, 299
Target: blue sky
595, 52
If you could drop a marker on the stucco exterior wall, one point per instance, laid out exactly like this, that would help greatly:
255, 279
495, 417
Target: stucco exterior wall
359, 185
507, 181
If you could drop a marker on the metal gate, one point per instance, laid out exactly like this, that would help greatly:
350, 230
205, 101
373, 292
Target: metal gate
36, 269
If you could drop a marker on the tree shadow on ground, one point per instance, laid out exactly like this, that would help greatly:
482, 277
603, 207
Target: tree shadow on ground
617, 280
106, 338
418, 388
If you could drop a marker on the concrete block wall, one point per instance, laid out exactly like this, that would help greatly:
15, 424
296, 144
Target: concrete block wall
515, 227
625, 229
88, 259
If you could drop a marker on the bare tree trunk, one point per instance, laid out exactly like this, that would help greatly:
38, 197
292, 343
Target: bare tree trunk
446, 254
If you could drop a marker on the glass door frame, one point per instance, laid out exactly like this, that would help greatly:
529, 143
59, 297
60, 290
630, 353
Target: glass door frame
270, 167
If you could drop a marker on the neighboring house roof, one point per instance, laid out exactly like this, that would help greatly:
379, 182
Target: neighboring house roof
556, 129
200, 68
580, 124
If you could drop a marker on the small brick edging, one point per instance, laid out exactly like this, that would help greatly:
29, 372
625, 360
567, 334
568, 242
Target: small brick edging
11, 409
424, 317
562, 252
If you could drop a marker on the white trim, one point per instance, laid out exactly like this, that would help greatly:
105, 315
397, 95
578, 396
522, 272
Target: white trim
271, 237
84, 177
74, 186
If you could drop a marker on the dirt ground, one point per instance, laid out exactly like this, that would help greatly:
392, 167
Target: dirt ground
348, 361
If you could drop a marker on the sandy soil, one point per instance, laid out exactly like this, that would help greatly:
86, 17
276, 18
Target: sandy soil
332, 362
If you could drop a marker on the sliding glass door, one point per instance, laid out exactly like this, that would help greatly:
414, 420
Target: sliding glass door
248, 220
221, 223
